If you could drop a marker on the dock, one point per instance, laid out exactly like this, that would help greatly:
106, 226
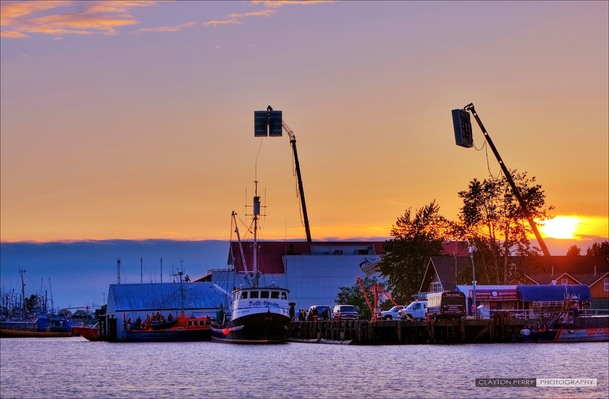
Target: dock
500, 328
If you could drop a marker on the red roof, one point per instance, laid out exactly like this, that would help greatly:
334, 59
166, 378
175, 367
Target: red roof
270, 253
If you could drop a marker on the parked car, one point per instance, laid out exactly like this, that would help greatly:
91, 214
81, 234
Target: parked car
345, 312
323, 312
395, 313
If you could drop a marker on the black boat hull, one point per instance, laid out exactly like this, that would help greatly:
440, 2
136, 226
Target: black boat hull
168, 336
258, 328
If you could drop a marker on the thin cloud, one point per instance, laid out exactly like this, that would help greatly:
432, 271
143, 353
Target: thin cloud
59, 18
235, 18
169, 28
20, 20
271, 6
280, 3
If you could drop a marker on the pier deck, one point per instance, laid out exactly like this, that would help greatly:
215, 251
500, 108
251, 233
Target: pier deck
501, 328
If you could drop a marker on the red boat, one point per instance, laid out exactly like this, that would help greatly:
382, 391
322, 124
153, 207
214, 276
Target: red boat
181, 329
90, 332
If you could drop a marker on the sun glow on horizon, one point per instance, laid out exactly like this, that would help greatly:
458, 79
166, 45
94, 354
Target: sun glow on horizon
562, 227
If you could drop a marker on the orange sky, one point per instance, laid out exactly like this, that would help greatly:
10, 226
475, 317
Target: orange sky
135, 120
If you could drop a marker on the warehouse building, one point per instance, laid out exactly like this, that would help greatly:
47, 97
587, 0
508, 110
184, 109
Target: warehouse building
127, 302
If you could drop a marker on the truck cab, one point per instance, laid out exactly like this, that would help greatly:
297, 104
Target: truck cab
416, 310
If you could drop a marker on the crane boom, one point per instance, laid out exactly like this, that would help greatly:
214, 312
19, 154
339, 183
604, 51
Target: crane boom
299, 178
508, 176
270, 123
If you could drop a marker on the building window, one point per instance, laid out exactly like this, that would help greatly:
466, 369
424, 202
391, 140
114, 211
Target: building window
564, 281
435, 287
606, 286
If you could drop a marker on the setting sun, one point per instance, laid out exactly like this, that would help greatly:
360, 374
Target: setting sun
560, 227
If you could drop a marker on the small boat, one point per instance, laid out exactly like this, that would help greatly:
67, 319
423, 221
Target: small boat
259, 313
566, 324
182, 328
88, 331
179, 329
581, 329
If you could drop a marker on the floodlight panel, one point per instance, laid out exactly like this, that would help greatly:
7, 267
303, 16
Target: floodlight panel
275, 124
463, 128
260, 124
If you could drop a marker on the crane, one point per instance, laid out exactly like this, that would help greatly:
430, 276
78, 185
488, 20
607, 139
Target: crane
377, 289
463, 135
270, 123
299, 178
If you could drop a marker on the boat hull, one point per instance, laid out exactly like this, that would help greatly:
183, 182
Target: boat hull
168, 336
259, 328
178, 333
583, 329
8, 333
90, 333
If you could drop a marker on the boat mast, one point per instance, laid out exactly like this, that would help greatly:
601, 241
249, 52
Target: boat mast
256, 206
234, 216
22, 272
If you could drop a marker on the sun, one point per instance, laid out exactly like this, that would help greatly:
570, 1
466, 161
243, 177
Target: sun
560, 227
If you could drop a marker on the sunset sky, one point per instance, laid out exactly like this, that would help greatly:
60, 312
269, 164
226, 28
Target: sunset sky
134, 120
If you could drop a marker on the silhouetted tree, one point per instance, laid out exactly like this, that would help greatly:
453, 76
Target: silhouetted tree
598, 249
416, 237
574, 250
493, 221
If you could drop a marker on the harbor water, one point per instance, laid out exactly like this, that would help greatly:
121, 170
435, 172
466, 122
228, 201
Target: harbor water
73, 367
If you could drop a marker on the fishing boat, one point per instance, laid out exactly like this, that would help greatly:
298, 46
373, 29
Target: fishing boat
181, 329
260, 313
159, 329
41, 327
579, 329
566, 323
31, 318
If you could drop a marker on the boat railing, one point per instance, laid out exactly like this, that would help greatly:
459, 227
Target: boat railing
536, 314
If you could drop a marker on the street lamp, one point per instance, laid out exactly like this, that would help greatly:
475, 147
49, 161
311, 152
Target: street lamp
471, 249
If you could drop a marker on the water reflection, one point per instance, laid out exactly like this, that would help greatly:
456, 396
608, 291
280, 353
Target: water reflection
74, 367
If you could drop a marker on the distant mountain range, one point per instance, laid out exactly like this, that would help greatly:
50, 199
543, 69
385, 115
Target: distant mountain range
78, 273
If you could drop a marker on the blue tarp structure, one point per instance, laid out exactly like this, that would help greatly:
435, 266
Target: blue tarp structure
543, 293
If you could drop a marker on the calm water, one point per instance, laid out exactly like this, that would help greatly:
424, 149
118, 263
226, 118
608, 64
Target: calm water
76, 368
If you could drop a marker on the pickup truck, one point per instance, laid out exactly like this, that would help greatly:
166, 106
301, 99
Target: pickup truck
416, 310
395, 313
